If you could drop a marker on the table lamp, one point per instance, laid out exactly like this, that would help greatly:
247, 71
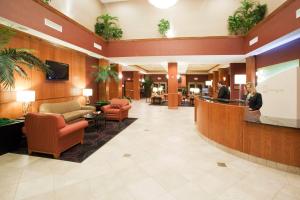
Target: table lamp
196, 90
26, 97
192, 90
87, 92
240, 79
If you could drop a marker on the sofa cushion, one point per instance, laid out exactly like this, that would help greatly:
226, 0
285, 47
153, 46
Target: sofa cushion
70, 116
122, 102
115, 106
60, 108
112, 111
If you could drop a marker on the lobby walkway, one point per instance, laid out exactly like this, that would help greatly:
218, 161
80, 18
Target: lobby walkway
158, 157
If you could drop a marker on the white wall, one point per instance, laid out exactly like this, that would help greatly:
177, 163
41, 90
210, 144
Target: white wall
281, 95
139, 19
84, 12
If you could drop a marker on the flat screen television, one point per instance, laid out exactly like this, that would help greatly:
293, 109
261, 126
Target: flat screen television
59, 71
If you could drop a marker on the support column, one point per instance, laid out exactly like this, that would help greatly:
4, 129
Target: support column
136, 86
103, 86
172, 86
251, 69
115, 87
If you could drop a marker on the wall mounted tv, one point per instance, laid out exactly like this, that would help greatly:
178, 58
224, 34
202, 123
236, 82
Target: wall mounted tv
59, 71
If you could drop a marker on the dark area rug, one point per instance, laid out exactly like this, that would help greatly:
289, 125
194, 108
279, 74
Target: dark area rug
183, 104
93, 140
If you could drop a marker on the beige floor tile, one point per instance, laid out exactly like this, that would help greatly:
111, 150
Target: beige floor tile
167, 160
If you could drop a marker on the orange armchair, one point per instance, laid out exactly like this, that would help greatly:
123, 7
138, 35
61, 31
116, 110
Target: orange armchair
48, 133
117, 110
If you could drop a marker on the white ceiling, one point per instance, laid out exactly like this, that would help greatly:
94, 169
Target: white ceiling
111, 1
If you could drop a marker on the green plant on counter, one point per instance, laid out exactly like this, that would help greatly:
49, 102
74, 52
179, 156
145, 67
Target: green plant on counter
102, 103
47, 1
108, 28
246, 17
163, 27
14, 60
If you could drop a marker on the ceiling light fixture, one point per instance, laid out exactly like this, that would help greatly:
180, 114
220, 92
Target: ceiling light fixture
163, 4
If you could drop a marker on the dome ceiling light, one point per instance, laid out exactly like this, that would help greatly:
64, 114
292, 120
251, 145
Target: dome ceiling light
163, 4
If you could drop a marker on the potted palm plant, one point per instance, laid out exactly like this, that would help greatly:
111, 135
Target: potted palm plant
105, 74
107, 27
14, 60
163, 27
246, 17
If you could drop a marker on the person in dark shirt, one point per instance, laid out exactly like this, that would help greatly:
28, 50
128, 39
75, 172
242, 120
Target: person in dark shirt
223, 91
253, 99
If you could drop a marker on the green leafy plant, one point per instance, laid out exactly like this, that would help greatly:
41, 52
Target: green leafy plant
108, 28
128, 98
147, 84
47, 1
14, 60
105, 73
163, 27
246, 17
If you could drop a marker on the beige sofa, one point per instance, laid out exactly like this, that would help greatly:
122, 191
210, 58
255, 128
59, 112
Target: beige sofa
70, 110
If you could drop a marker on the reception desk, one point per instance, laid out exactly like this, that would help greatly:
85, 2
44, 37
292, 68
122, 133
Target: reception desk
230, 125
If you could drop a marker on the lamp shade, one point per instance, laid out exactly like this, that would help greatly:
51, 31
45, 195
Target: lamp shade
87, 92
26, 96
197, 90
160, 89
208, 83
155, 89
192, 89
240, 79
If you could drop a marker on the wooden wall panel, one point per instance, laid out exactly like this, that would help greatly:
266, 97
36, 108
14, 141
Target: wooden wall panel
251, 69
225, 124
46, 91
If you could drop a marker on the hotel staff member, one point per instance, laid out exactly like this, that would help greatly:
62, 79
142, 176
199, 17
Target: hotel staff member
253, 99
223, 91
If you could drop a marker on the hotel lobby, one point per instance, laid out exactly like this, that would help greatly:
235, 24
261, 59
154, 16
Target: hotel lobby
150, 99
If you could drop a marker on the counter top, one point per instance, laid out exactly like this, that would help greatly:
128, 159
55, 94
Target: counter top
274, 121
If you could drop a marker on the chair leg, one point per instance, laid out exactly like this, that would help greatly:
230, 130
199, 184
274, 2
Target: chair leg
29, 151
56, 155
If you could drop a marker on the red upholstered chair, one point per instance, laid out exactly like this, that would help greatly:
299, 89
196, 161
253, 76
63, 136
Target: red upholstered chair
48, 133
117, 110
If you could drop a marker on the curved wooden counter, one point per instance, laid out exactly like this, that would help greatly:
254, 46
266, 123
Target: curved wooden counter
224, 124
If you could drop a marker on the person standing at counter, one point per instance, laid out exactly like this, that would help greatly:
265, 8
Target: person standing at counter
253, 98
223, 91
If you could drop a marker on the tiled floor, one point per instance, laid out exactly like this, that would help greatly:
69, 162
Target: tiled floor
158, 157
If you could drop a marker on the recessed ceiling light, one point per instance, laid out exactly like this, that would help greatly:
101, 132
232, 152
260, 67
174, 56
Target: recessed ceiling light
163, 4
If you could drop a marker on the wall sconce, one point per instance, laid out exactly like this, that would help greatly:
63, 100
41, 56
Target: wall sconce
196, 79
159, 78
224, 78
120, 76
178, 76
26, 97
87, 93
167, 76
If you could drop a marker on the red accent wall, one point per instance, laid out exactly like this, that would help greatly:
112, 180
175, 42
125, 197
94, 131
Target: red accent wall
201, 78
154, 77
227, 45
32, 13
287, 52
90, 80
279, 23
235, 68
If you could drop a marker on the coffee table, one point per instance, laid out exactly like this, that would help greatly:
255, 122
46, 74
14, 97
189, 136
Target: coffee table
96, 118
